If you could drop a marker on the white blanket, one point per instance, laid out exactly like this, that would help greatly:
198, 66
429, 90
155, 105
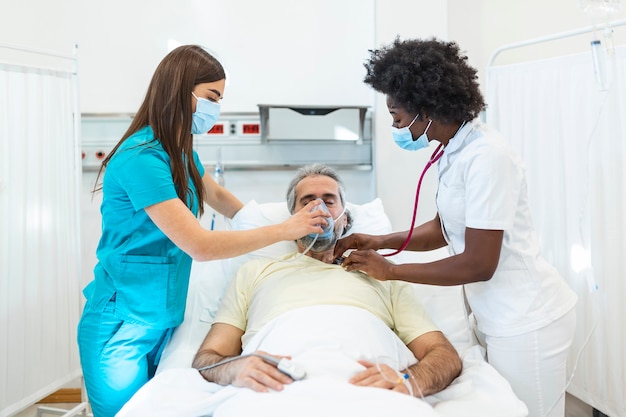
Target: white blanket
327, 341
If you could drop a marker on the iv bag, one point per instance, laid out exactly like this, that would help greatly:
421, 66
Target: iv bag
600, 8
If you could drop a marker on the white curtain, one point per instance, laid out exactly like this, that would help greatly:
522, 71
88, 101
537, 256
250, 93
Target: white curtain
572, 137
40, 233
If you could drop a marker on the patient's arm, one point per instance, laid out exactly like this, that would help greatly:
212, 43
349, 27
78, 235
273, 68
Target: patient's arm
224, 341
438, 364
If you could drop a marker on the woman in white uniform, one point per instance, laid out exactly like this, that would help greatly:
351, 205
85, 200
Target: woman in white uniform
524, 310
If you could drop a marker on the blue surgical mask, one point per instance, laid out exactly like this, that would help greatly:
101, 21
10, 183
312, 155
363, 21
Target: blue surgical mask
404, 138
327, 239
206, 115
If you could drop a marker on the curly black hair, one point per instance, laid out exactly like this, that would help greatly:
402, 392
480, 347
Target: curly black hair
426, 76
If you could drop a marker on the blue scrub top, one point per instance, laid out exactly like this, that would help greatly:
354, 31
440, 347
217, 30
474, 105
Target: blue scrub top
137, 263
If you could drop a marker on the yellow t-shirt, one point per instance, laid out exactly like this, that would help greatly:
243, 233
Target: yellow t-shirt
263, 290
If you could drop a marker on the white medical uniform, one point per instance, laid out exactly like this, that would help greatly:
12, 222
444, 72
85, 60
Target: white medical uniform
482, 185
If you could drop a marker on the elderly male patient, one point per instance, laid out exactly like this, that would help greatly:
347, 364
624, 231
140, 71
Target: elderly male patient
265, 289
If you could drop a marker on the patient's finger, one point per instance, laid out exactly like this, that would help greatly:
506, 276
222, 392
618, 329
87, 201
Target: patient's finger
270, 379
253, 384
260, 376
381, 376
367, 377
260, 382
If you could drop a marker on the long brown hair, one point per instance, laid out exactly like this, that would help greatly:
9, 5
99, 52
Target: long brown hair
167, 110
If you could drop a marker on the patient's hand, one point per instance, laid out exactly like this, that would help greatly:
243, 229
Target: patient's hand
255, 373
381, 376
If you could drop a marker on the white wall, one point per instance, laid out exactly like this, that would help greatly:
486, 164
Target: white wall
37, 24
398, 171
274, 51
482, 26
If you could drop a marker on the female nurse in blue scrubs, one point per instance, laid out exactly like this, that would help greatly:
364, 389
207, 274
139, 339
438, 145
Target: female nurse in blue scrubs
524, 310
154, 187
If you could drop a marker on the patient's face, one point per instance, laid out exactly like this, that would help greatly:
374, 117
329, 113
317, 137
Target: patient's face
326, 189
322, 187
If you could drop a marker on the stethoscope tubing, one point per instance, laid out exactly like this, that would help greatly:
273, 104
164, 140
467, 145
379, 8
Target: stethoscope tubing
433, 159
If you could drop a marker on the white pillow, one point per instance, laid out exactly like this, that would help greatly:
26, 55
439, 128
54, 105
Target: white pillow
369, 218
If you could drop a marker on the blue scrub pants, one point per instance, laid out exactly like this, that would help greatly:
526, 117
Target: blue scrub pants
117, 357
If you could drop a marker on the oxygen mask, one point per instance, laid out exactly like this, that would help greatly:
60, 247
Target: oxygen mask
320, 242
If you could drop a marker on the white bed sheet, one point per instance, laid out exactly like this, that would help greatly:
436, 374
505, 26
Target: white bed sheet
178, 390
316, 339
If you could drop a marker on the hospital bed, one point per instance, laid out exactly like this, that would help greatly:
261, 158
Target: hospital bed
328, 355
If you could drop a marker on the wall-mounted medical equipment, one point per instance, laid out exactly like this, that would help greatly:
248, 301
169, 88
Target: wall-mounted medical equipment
290, 122
100, 132
283, 137
278, 137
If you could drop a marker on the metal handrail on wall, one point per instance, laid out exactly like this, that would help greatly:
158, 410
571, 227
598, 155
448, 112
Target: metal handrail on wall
548, 38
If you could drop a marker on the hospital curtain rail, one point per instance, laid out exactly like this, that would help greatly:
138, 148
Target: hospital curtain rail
571, 135
40, 174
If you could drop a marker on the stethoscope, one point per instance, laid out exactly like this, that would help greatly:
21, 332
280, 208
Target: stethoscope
438, 153
433, 159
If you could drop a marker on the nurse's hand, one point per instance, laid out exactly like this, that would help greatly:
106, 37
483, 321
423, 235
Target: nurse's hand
357, 241
310, 219
370, 262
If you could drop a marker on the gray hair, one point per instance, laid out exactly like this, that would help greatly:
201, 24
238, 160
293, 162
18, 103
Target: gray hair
315, 170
